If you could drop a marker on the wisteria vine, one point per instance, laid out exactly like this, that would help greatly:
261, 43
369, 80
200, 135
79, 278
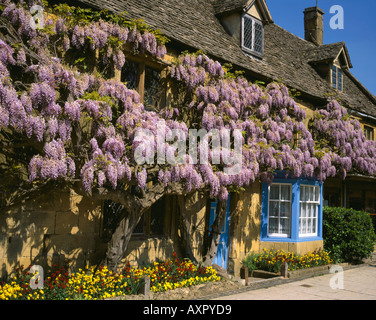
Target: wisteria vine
62, 106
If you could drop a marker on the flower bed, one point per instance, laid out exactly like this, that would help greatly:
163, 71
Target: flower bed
272, 260
100, 283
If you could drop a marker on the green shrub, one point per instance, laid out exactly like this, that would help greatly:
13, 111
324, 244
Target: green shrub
348, 234
250, 261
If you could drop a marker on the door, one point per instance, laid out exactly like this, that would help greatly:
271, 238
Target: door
222, 252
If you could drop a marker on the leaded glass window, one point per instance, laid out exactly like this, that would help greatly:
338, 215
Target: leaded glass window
152, 88
129, 74
252, 35
146, 80
112, 214
337, 78
340, 77
248, 32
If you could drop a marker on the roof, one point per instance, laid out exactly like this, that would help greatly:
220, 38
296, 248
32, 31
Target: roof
328, 52
229, 5
287, 58
223, 7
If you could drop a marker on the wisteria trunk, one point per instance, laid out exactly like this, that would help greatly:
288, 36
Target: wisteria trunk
120, 239
215, 233
186, 229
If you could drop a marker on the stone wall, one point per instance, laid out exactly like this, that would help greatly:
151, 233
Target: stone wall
61, 226
245, 224
49, 229
300, 248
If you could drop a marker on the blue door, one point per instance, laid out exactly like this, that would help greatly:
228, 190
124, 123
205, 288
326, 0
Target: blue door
222, 253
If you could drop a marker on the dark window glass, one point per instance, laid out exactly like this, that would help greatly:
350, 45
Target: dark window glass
129, 74
152, 88
340, 79
369, 133
112, 214
157, 217
334, 77
259, 35
140, 228
248, 33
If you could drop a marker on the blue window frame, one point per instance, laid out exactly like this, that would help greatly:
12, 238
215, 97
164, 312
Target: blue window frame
292, 210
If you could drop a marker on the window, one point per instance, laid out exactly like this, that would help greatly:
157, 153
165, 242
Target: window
291, 210
151, 223
252, 35
337, 78
129, 74
152, 88
369, 133
146, 80
112, 214
279, 209
309, 206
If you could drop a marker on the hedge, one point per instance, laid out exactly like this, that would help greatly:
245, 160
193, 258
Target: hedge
348, 234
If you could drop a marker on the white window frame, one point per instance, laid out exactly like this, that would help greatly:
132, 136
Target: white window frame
280, 235
252, 50
312, 204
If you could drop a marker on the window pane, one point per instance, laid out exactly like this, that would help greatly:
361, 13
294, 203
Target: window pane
259, 37
285, 226
317, 194
273, 225
129, 74
112, 213
306, 194
285, 192
157, 217
274, 208
152, 88
311, 194
140, 228
334, 76
248, 33
302, 193
285, 208
303, 210
340, 79
274, 192
309, 226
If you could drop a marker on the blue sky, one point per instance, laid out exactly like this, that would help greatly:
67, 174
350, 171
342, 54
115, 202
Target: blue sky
359, 31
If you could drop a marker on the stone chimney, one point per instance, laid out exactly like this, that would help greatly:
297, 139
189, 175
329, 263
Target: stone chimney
314, 25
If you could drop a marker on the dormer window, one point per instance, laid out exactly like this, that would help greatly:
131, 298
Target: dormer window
337, 78
252, 36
